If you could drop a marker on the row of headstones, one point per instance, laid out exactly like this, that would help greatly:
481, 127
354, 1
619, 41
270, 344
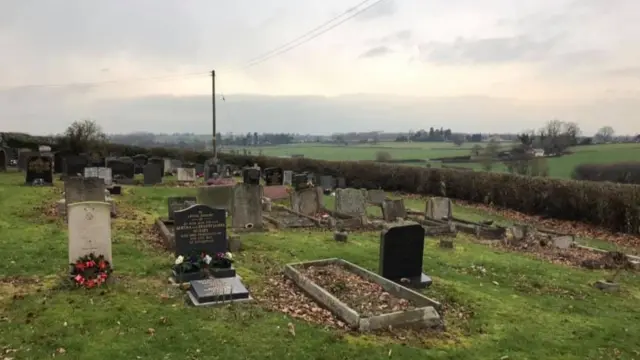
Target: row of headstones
81, 189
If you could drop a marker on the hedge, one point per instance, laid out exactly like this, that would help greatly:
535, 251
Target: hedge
623, 172
612, 206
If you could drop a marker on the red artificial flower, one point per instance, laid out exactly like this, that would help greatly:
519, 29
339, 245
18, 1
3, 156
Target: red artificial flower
102, 265
102, 275
79, 266
79, 279
91, 283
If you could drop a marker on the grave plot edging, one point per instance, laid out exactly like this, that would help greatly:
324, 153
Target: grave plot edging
167, 237
426, 315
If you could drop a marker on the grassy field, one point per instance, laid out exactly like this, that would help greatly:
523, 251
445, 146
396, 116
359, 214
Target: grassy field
519, 308
561, 167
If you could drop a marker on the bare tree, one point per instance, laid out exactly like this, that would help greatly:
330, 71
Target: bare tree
458, 139
489, 155
476, 150
83, 136
605, 133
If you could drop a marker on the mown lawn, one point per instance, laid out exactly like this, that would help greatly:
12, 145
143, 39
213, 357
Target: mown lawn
519, 308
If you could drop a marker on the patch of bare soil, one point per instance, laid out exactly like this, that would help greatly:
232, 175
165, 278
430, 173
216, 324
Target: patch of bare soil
562, 226
365, 297
16, 287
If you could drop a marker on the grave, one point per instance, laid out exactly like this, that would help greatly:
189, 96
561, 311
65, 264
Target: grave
273, 176
439, 208
122, 171
199, 169
300, 181
350, 202
23, 156
177, 203
168, 166
152, 174
401, 251
307, 201
287, 177
139, 161
39, 170
217, 197
159, 162
186, 174
376, 196
392, 209
74, 165
251, 176
246, 208
341, 183
4, 159
327, 183
200, 228
99, 172
89, 226
218, 291
277, 192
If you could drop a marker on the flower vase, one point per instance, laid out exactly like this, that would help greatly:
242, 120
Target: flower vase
223, 272
185, 277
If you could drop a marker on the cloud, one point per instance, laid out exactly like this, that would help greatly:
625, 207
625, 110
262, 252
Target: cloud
488, 50
376, 52
625, 72
385, 8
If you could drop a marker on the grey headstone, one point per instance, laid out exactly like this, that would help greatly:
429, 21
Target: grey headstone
350, 202
215, 196
439, 208
78, 189
152, 174
177, 203
246, 206
376, 196
307, 201
392, 209
287, 177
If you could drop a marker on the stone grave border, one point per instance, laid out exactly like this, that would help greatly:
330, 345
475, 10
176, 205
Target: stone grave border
278, 224
168, 238
426, 315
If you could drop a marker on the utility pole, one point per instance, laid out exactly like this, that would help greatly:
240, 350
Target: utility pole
213, 114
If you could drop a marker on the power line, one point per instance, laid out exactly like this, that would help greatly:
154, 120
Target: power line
290, 45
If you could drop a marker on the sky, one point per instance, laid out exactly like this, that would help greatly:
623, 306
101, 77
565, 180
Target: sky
488, 66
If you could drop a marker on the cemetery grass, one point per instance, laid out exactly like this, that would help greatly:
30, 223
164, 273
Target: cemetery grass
499, 304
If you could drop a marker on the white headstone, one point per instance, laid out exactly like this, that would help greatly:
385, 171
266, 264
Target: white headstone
187, 174
287, 177
168, 166
91, 172
89, 229
105, 174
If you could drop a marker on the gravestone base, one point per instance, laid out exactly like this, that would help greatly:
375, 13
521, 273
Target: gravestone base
186, 277
219, 273
115, 190
212, 292
607, 286
418, 282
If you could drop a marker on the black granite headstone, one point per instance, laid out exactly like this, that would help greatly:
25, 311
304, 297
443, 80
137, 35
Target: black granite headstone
273, 176
157, 161
299, 181
218, 290
74, 165
122, 169
251, 176
200, 228
401, 251
39, 167
152, 174
178, 203
140, 161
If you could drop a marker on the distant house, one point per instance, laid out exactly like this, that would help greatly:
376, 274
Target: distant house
637, 138
536, 152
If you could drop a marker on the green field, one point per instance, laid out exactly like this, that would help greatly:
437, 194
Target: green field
560, 167
499, 305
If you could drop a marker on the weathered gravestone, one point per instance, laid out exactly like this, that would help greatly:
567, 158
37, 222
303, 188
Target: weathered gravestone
327, 183
89, 230
23, 157
300, 181
122, 171
217, 197
246, 206
105, 174
350, 202
78, 189
287, 177
39, 169
168, 166
199, 168
152, 174
74, 165
4, 159
273, 176
186, 174
159, 162
218, 291
251, 176
200, 228
341, 183
177, 203
211, 167
307, 201
401, 251
439, 208
140, 161
376, 196
58, 161
392, 209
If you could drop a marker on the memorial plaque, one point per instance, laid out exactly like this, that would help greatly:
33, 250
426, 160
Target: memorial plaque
401, 252
39, 167
178, 203
273, 176
200, 228
218, 290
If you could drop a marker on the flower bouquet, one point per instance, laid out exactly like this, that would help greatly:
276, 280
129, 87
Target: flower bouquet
90, 271
191, 267
221, 266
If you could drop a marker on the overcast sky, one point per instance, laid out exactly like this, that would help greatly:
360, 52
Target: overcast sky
490, 65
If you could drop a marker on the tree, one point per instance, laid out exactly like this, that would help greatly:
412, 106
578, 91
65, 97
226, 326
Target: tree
489, 154
458, 139
83, 136
476, 150
605, 134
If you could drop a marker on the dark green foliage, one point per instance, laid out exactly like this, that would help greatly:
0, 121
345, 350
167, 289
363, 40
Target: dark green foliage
623, 172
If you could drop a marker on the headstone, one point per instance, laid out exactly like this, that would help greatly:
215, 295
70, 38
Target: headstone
177, 203
350, 202
58, 162
401, 252
122, 170
376, 196
213, 290
74, 165
39, 167
327, 182
217, 197
251, 176
227, 172
159, 162
4, 159
211, 167
23, 156
287, 177
439, 208
140, 161
392, 209
91, 172
104, 173
342, 183
200, 228
300, 181
199, 168
273, 176
246, 206
187, 174
175, 164
307, 201
78, 189
563, 242
152, 174
168, 165
89, 230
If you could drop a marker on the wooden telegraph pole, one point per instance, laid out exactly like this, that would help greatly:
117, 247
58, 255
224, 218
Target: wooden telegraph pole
213, 114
